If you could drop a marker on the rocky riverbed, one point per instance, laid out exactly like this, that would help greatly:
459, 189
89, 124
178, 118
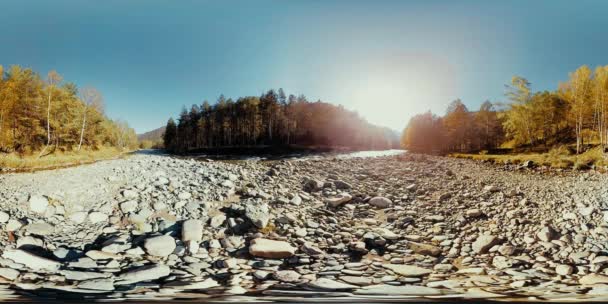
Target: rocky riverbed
152, 226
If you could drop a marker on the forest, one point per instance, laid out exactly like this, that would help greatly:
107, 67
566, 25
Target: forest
573, 116
273, 119
42, 116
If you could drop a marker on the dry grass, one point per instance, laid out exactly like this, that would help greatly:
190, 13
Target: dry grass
558, 157
15, 162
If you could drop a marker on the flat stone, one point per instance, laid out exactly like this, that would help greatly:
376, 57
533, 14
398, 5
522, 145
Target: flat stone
30, 260
84, 275
271, 249
97, 284
97, 217
424, 249
390, 290
9, 273
287, 276
78, 217
408, 270
483, 243
327, 284
592, 279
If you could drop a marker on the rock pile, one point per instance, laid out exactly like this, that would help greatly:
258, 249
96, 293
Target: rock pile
412, 225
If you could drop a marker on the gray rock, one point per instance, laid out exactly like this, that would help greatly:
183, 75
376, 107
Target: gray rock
380, 202
144, 273
192, 230
259, 214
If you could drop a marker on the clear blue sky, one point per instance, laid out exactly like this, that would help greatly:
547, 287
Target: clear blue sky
386, 59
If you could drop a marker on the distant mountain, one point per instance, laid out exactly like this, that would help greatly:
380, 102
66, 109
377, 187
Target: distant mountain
155, 135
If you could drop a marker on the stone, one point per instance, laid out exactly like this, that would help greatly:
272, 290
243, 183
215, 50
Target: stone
184, 196
258, 214
97, 284
13, 225
30, 260
424, 249
160, 246
9, 273
144, 273
357, 280
84, 275
271, 249
390, 290
592, 279
564, 270
483, 243
408, 270
287, 276
217, 220
128, 206
97, 217
338, 201
78, 217
4, 217
547, 234
473, 213
29, 242
38, 203
40, 228
192, 230
327, 284
380, 202
129, 194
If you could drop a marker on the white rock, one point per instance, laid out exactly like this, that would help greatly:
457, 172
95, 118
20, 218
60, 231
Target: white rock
4, 217
483, 243
30, 260
184, 196
13, 225
78, 217
161, 246
97, 217
128, 206
192, 230
9, 273
38, 203
271, 249
407, 270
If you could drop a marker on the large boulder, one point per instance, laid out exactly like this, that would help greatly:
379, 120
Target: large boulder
271, 249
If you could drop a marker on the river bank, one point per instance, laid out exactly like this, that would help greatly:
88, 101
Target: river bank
154, 226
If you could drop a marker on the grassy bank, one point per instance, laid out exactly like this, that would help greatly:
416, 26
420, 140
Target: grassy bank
556, 158
13, 162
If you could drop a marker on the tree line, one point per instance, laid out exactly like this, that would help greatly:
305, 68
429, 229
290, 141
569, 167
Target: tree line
574, 113
272, 119
47, 115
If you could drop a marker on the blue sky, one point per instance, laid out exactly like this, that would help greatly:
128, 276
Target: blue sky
386, 59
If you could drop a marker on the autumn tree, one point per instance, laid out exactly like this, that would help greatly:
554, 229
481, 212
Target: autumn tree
576, 91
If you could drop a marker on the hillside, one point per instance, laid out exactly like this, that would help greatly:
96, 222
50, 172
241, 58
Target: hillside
154, 135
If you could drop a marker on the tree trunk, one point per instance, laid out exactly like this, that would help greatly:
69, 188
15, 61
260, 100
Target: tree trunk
48, 120
84, 122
